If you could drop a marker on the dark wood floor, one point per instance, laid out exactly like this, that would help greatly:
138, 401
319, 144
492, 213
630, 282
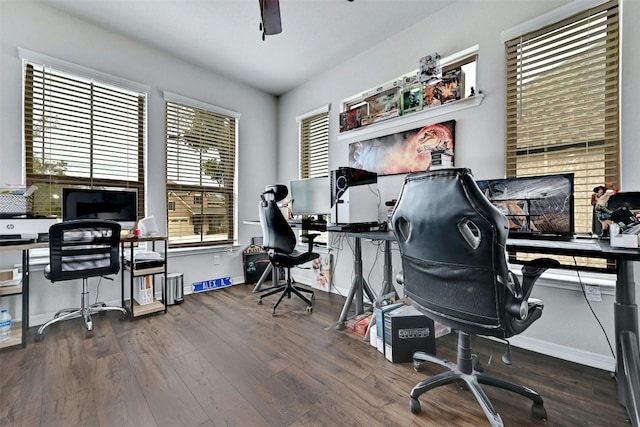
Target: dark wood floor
219, 359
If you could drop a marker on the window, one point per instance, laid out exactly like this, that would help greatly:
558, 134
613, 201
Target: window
80, 132
201, 172
314, 144
562, 103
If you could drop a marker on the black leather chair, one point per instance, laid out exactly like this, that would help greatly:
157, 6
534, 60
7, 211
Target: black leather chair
454, 270
280, 242
80, 249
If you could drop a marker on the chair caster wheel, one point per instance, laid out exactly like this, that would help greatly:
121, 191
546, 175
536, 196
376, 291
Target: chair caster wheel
39, 337
309, 309
259, 302
88, 334
417, 365
539, 412
123, 317
414, 405
274, 314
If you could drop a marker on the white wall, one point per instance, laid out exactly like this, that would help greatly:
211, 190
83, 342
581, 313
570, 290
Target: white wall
567, 322
44, 30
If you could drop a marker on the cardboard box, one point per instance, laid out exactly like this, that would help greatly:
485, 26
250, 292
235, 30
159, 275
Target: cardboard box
379, 313
406, 331
622, 240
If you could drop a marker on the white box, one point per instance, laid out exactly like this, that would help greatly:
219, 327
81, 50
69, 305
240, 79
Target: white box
622, 240
141, 293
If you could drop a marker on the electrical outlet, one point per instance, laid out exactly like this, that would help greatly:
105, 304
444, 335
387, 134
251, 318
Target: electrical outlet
216, 260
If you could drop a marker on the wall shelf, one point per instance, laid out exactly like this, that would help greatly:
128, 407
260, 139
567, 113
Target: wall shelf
389, 125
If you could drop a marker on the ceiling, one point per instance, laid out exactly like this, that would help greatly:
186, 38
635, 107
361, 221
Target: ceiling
223, 35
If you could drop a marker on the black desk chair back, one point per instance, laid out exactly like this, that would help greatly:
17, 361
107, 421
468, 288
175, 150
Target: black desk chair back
454, 270
279, 240
79, 250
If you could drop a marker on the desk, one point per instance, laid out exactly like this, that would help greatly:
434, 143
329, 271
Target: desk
625, 309
22, 290
359, 286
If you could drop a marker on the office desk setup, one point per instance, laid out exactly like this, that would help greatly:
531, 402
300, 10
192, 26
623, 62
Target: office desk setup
21, 324
625, 310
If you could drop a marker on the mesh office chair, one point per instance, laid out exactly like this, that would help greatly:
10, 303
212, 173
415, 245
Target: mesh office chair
81, 249
454, 270
280, 242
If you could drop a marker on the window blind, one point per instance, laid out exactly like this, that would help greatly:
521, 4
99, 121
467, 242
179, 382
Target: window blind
314, 146
562, 103
201, 173
81, 133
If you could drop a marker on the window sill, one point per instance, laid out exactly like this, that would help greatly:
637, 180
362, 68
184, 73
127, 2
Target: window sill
395, 123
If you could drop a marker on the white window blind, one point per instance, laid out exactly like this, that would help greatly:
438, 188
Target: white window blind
82, 133
562, 112
314, 145
201, 174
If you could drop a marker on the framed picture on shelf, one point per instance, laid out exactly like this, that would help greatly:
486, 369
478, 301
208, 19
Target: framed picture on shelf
429, 69
411, 98
449, 88
353, 118
384, 104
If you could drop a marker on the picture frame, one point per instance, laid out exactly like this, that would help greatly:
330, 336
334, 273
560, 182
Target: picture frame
402, 152
411, 99
448, 89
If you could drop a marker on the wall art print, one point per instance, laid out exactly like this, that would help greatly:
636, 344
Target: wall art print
402, 152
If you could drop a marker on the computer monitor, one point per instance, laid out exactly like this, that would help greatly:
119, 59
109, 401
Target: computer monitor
116, 205
536, 205
311, 196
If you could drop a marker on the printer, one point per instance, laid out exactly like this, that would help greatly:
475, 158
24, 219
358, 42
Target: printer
25, 227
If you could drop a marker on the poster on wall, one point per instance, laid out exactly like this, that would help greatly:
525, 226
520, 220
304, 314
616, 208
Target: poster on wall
402, 152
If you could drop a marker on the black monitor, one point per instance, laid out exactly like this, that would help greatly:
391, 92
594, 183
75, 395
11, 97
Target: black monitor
116, 205
311, 196
536, 205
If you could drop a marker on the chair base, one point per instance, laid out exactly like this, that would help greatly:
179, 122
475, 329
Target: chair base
286, 290
85, 312
467, 373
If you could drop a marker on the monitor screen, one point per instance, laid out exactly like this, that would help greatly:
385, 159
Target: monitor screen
311, 196
116, 205
537, 205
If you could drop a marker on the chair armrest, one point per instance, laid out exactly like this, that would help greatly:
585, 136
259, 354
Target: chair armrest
531, 272
310, 238
518, 302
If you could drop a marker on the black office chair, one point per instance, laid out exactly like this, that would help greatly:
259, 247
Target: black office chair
81, 249
454, 270
279, 241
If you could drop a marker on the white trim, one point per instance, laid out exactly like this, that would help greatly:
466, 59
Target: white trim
79, 70
583, 357
173, 97
323, 109
398, 124
563, 12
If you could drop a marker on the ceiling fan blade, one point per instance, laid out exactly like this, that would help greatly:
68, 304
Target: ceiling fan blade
270, 11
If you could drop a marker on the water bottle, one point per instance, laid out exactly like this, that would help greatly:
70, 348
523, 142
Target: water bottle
5, 325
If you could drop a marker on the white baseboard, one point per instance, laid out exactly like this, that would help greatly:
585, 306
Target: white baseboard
587, 358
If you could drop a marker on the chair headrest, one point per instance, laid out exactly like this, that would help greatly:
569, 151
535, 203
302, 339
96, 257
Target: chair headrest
275, 192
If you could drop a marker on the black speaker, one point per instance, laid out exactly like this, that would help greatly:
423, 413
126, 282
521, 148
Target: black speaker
345, 177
